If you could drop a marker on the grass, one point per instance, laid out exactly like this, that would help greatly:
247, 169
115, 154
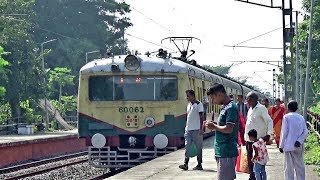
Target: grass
312, 156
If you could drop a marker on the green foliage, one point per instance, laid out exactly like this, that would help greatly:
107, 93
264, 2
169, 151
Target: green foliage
221, 69
5, 113
66, 105
312, 155
312, 145
312, 150
303, 44
3, 63
29, 113
61, 77
23, 73
316, 109
78, 25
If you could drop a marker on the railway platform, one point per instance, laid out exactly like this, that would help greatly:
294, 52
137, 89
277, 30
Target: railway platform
10, 140
19, 148
166, 167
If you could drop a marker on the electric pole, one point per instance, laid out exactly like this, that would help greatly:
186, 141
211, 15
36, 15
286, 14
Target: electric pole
297, 61
287, 36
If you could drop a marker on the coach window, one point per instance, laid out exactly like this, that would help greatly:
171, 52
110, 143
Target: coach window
133, 88
101, 88
166, 88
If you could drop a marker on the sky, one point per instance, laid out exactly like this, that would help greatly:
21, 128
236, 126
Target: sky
217, 24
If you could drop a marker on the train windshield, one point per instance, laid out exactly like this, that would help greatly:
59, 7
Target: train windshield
133, 88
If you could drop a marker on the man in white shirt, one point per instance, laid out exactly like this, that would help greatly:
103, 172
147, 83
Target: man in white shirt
258, 119
193, 131
293, 133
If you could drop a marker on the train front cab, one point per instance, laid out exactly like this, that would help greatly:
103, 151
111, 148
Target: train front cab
131, 132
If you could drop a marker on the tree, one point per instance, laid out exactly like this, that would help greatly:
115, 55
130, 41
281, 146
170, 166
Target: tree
61, 77
23, 73
303, 45
3, 63
80, 26
65, 105
221, 69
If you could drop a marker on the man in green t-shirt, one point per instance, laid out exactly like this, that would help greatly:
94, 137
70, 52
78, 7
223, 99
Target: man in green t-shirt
226, 138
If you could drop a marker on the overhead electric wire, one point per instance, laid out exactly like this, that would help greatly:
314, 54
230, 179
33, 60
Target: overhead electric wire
259, 36
12, 18
262, 78
57, 33
43, 29
152, 20
49, 31
167, 29
148, 41
253, 47
13, 14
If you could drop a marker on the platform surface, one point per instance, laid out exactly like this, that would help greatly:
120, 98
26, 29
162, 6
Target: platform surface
20, 139
166, 167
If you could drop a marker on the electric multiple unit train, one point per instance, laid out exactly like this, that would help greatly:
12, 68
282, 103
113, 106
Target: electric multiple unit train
132, 108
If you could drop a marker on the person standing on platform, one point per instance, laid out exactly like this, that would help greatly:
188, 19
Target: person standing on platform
226, 137
242, 107
265, 102
193, 132
277, 112
243, 110
293, 134
258, 119
260, 157
205, 105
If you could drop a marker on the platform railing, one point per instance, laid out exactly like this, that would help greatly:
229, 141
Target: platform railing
313, 121
11, 125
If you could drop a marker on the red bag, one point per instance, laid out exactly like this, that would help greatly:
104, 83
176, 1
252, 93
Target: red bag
242, 161
238, 161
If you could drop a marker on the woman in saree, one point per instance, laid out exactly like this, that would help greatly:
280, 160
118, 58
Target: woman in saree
277, 112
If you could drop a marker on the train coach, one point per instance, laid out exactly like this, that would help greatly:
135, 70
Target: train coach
132, 108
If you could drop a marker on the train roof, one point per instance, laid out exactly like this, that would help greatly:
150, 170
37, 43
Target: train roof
149, 64
158, 64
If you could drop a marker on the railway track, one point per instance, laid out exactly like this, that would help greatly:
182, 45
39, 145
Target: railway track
46, 170
43, 162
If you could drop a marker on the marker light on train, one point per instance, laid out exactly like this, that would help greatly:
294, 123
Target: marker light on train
138, 80
149, 122
160, 141
98, 140
115, 68
132, 62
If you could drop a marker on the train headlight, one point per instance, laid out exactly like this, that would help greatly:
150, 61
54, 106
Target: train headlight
160, 141
132, 62
132, 141
115, 68
149, 122
98, 140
